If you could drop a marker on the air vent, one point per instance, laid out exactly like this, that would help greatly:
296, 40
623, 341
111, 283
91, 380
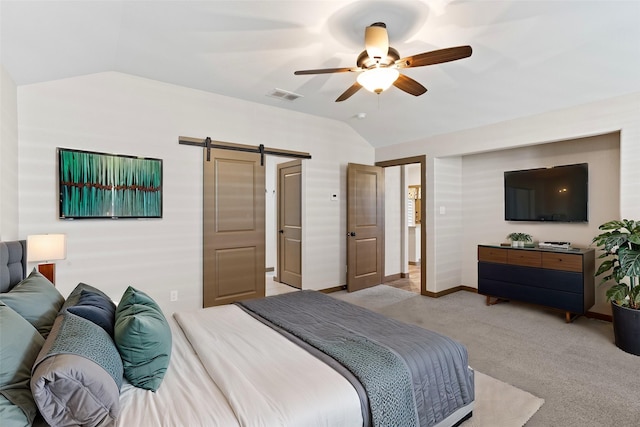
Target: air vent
284, 94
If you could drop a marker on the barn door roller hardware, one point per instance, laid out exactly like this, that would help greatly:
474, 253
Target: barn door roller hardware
208, 144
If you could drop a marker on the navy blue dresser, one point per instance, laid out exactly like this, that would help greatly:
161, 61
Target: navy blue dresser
556, 278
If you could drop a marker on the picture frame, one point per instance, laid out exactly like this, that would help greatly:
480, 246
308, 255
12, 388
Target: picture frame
102, 185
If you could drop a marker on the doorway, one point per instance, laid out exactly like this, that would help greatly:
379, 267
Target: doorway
274, 167
234, 217
416, 273
290, 223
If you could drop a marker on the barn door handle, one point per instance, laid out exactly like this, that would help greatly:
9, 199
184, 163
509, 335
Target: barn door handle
351, 234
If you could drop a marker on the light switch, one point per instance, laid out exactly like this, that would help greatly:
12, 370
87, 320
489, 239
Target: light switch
334, 196
443, 210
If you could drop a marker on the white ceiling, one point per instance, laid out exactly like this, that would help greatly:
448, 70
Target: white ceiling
528, 56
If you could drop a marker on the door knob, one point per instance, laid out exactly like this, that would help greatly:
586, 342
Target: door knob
281, 231
351, 234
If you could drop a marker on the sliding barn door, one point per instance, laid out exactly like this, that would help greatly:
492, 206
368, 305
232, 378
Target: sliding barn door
233, 227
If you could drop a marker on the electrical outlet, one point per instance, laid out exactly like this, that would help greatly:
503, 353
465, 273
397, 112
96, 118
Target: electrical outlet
174, 296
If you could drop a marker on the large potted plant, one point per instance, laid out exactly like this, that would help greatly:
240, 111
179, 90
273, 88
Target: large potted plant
620, 242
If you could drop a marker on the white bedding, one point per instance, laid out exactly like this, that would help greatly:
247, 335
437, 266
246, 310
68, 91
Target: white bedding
187, 396
242, 373
268, 380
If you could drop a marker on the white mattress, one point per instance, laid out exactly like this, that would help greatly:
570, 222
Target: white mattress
228, 369
268, 380
187, 396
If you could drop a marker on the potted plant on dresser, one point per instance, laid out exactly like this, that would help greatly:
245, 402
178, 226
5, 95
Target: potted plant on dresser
620, 241
519, 239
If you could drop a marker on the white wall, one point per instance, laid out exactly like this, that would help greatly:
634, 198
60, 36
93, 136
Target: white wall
118, 113
8, 157
446, 225
602, 117
413, 174
271, 211
483, 193
393, 230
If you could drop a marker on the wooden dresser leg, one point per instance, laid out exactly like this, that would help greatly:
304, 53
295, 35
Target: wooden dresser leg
569, 318
488, 300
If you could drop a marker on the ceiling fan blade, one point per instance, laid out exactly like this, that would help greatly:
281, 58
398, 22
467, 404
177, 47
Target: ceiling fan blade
409, 85
435, 57
347, 93
324, 71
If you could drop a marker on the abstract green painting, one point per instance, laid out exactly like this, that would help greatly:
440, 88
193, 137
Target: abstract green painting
101, 185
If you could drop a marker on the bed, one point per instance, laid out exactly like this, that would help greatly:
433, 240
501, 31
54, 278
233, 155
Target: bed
300, 359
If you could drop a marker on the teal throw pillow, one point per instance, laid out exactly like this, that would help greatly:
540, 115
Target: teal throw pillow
143, 337
12, 415
35, 299
21, 344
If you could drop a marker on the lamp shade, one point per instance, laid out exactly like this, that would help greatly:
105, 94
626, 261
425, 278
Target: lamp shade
378, 79
46, 247
376, 41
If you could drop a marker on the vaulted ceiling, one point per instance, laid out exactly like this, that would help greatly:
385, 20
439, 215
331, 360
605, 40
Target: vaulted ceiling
528, 56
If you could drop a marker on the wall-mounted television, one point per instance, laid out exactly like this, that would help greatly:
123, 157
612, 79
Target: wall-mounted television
102, 185
557, 194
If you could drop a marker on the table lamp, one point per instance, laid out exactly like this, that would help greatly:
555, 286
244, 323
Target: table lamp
46, 247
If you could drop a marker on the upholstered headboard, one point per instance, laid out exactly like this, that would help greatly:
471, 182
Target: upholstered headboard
13, 263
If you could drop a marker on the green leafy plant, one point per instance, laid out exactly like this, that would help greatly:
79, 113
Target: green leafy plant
620, 242
519, 237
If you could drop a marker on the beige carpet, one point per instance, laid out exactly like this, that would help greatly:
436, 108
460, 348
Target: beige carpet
499, 404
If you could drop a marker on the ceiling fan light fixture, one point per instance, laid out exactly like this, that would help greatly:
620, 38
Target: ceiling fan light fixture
378, 79
376, 41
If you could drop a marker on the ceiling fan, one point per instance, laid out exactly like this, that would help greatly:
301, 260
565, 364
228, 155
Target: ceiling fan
379, 63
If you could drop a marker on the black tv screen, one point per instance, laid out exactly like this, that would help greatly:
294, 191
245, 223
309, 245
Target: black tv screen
557, 194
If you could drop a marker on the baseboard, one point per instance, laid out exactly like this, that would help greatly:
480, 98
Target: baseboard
429, 294
393, 277
334, 289
414, 262
599, 316
268, 269
450, 291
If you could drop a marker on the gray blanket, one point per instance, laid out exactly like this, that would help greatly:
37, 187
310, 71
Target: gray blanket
411, 376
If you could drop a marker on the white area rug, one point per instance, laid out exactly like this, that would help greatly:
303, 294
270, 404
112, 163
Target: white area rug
499, 404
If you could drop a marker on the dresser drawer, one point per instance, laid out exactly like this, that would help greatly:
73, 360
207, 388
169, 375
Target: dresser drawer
524, 257
562, 261
560, 279
492, 255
